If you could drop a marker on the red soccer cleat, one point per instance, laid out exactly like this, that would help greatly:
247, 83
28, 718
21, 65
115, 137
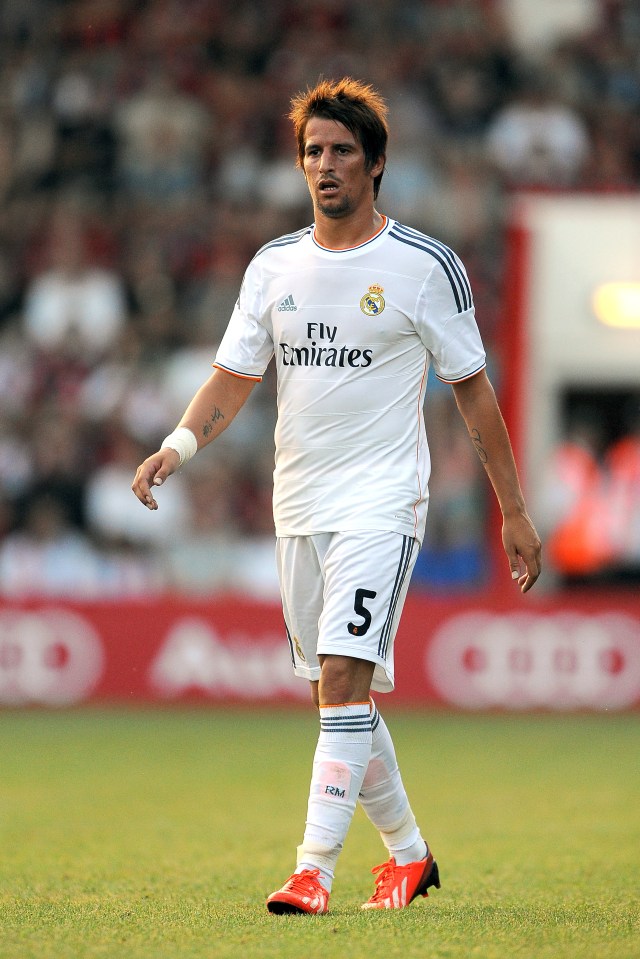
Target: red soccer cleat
302, 892
397, 886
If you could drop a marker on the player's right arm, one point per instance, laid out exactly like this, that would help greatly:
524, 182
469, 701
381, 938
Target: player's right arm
209, 413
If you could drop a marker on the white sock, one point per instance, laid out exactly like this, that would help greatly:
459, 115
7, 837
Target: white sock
383, 798
341, 759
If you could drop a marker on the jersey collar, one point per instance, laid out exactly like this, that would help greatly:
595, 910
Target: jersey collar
327, 249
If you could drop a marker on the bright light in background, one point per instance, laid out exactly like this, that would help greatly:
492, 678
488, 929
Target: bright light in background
618, 304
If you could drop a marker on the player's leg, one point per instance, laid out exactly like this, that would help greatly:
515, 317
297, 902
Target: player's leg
410, 870
302, 592
302, 587
339, 765
344, 742
340, 762
385, 801
384, 798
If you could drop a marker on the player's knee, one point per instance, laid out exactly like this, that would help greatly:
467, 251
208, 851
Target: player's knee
344, 679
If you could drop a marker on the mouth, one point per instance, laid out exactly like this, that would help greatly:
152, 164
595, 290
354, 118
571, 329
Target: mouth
327, 187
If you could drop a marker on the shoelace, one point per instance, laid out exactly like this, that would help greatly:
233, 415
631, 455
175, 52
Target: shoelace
384, 881
303, 881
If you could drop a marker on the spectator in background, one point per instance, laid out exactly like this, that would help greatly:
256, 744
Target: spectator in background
17, 465
111, 517
84, 136
204, 561
591, 500
414, 176
574, 503
62, 454
17, 372
49, 556
536, 140
622, 463
73, 307
164, 139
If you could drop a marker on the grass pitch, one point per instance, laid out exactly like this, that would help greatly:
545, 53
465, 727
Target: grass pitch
158, 834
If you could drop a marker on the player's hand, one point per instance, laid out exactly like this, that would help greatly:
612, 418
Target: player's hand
153, 472
523, 548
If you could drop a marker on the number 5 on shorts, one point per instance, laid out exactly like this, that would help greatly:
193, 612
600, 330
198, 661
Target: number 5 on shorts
361, 610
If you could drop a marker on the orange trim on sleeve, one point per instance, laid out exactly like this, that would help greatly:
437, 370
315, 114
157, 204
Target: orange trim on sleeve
240, 376
462, 378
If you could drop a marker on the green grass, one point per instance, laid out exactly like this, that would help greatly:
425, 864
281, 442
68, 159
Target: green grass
153, 834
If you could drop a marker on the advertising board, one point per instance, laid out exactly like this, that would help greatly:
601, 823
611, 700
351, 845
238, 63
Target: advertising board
468, 654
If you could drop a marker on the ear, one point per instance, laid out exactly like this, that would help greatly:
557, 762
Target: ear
378, 166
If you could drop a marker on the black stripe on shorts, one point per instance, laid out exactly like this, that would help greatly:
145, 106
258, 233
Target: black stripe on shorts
405, 558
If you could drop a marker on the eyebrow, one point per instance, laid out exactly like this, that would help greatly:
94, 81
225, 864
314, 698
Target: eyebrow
340, 143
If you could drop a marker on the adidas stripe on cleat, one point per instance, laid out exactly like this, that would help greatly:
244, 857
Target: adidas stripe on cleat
397, 886
302, 892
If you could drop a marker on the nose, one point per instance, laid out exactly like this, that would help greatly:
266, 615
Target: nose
326, 162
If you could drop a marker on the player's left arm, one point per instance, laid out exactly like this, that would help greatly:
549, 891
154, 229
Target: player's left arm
479, 408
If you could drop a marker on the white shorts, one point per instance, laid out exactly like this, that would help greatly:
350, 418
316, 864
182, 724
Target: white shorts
342, 594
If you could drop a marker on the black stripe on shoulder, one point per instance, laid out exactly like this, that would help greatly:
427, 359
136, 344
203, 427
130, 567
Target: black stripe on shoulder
285, 240
449, 255
445, 257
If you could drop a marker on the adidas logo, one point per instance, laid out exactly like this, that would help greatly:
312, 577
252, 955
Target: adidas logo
287, 305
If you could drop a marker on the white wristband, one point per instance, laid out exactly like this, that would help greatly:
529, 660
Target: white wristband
183, 441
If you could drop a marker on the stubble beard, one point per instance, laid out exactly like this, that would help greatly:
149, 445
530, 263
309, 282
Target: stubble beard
335, 211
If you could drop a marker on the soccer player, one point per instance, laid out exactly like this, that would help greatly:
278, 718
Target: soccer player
353, 309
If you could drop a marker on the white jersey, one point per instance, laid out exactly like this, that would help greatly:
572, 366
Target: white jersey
353, 333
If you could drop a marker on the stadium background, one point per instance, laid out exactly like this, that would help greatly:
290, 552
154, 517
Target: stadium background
144, 156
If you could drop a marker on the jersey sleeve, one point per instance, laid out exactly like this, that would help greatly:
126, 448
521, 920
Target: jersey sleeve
247, 345
446, 321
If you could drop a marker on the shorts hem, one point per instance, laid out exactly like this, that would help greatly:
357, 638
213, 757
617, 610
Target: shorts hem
355, 652
379, 684
312, 673
415, 531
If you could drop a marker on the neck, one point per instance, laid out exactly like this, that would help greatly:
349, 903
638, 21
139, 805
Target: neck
343, 233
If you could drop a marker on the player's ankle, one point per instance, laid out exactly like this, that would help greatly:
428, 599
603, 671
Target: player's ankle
419, 850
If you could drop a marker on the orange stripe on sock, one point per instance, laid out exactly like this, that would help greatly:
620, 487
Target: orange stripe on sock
336, 705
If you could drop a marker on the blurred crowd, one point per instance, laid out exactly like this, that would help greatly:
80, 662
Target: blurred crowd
145, 155
590, 498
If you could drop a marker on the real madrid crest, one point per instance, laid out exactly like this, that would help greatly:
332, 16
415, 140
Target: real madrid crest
372, 303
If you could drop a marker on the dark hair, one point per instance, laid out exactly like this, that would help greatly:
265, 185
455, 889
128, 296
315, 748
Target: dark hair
354, 104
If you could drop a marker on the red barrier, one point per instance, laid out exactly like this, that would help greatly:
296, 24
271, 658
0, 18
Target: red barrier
468, 653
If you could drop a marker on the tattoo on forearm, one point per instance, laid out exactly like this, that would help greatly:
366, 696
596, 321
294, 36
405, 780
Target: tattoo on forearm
477, 442
216, 415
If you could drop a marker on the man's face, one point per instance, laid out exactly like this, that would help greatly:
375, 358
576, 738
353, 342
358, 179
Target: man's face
335, 169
